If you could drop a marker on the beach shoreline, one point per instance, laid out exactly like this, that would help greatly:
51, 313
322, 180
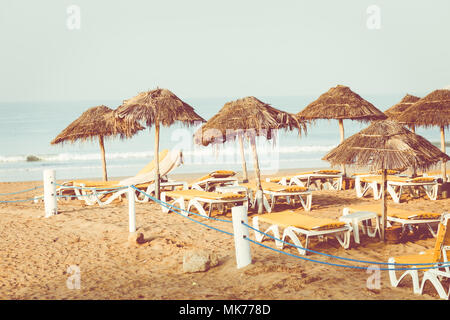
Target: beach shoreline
36, 252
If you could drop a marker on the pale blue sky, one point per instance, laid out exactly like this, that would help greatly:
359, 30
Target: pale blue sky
206, 48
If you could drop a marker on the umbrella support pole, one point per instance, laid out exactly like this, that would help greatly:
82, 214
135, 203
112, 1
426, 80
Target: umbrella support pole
444, 164
257, 172
341, 131
157, 177
102, 149
244, 164
384, 206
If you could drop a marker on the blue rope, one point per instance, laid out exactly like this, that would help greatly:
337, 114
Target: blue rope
342, 265
22, 191
330, 255
172, 206
22, 200
88, 188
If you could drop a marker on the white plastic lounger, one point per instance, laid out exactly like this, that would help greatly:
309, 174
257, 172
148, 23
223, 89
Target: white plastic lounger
406, 218
396, 188
95, 196
319, 180
431, 258
294, 223
198, 199
215, 179
275, 191
93, 192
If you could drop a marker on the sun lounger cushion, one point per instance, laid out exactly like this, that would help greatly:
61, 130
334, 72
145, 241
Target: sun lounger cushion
274, 187
222, 174
328, 171
192, 193
292, 219
415, 259
397, 213
422, 179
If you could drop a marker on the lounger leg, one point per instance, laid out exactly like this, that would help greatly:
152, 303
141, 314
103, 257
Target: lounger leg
194, 203
393, 193
306, 205
289, 232
395, 281
432, 277
345, 241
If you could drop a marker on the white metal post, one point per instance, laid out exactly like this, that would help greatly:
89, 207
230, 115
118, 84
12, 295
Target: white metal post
131, 210
50, 204
242, 246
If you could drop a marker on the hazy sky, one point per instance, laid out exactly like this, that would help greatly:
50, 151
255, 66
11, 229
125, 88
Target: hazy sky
206, 48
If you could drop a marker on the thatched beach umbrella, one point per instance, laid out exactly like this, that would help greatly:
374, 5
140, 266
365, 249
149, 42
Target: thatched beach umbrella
386, 145
97, 122
432, 110
396, 110
341, 103
155, 107
248, 117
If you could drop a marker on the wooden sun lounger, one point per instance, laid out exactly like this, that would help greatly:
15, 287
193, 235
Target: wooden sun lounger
434, 257
294, 223
198, 199
275, 191
406, 218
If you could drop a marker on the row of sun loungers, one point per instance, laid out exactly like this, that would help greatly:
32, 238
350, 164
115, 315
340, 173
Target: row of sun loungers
396, 186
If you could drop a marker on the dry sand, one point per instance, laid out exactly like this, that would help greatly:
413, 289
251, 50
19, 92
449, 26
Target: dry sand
35, 253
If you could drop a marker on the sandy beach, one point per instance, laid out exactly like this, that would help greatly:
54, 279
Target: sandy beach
35, 253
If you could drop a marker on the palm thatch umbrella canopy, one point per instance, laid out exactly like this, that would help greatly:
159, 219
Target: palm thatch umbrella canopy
155, 107
250, 117
396, 110
386, 145
432, 110
341, 103
97, 122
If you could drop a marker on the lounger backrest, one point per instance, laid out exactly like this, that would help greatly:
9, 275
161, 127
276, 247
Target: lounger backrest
168, 162
442, 238
151, 165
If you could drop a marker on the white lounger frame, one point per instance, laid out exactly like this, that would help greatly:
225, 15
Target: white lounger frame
273, 195
363, 187
341, 234
332, 181
432, 275
210, 183
94, 196
405, 223
197, 203
395, 189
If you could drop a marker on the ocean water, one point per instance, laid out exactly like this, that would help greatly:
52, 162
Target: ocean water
26, 129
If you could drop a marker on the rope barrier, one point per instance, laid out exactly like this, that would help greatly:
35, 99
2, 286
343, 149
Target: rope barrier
179, 211
22, 191
330, 255
167, 205
176, 209
88, 188
22, 200
172, 206
344, 265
